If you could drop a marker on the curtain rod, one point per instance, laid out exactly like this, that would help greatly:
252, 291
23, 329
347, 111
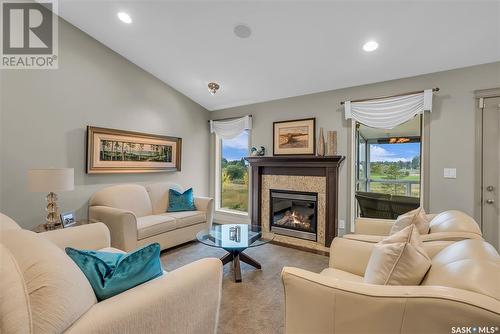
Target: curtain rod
388, 96
227, 119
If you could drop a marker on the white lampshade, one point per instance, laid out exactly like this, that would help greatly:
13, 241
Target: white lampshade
51, 179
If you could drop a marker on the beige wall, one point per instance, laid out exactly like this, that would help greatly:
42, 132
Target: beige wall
45, 112
43, 115
452, 127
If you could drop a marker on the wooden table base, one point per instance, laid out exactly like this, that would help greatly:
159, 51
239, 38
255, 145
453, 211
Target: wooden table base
236, 257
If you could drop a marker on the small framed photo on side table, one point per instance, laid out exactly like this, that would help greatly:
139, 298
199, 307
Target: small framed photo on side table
67, 219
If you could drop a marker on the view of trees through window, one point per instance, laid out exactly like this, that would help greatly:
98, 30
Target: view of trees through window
234, 173
388, 160
398, 171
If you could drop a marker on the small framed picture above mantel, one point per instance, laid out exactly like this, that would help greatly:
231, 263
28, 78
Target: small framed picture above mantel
119, 151
294, 137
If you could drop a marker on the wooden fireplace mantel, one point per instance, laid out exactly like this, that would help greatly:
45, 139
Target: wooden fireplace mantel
301, 166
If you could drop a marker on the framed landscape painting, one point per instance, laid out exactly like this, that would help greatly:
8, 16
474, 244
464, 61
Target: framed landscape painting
118, 151
296, 137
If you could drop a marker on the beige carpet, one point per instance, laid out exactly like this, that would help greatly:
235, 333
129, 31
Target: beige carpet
256, 304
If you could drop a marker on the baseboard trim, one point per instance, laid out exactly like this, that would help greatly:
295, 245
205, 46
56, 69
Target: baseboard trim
184, 244
305, 249
222, 217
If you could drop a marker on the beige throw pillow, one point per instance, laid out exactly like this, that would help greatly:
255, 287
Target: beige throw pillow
416, 217
399, 259
57, 291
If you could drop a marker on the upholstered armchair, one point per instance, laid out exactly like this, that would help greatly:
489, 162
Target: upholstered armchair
460, 290
43, 291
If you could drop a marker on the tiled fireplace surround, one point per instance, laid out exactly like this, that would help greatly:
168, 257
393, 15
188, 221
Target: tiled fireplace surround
305, 174
313, 184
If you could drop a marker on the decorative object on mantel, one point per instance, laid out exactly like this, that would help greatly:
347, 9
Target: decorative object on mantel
331, 143
258, 152
49, 181
119, 151
389, 111
294, 137
321, 144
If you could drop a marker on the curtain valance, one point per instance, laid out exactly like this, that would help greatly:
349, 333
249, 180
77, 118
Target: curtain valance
228, 129
387, 113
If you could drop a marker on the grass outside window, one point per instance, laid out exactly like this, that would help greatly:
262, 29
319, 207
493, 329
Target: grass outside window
234, 174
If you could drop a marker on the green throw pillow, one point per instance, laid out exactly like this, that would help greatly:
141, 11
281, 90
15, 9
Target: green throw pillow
112, 273
180, 201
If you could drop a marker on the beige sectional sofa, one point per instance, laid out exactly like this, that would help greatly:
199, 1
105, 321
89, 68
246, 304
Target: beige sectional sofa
137, 215
445, 228
461, 289
43, 291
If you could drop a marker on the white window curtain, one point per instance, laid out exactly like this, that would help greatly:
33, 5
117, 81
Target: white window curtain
228, 129
387, 113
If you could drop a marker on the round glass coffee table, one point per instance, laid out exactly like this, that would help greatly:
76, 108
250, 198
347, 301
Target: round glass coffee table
234, 238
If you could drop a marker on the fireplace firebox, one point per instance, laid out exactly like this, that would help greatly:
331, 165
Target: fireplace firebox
294, 213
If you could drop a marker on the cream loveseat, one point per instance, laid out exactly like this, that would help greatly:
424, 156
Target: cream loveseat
461, 289
136, 215
43, 291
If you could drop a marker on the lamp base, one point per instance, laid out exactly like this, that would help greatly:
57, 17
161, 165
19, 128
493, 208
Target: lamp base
52, 209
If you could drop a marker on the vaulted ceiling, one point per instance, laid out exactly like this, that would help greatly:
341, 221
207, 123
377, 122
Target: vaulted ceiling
296, 47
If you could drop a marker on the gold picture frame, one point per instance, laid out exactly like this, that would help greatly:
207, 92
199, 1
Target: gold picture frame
294, 137
118, 151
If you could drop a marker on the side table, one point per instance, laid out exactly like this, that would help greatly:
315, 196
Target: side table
41, 228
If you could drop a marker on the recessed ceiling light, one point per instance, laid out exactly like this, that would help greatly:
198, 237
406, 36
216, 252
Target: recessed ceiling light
124, 17
242, 31
370, 46
213, 87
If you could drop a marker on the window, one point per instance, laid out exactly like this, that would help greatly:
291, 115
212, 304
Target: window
395, 168
232, 194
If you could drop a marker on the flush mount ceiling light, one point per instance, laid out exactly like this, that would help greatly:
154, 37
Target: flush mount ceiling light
213, 87
401, 140
370, 46
242, 31
124, 17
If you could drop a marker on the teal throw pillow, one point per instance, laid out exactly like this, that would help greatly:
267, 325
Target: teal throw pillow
180, 201
112, 273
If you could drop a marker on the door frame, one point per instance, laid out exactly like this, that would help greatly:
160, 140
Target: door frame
479, 96
424, 167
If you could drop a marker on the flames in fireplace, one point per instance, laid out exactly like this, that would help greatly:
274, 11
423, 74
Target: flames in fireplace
293, 213
294, 219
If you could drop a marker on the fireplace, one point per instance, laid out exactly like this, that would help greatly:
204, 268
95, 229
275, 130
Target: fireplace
309, 174
294, 213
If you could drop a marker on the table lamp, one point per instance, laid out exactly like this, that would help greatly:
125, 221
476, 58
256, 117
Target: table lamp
51, 180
